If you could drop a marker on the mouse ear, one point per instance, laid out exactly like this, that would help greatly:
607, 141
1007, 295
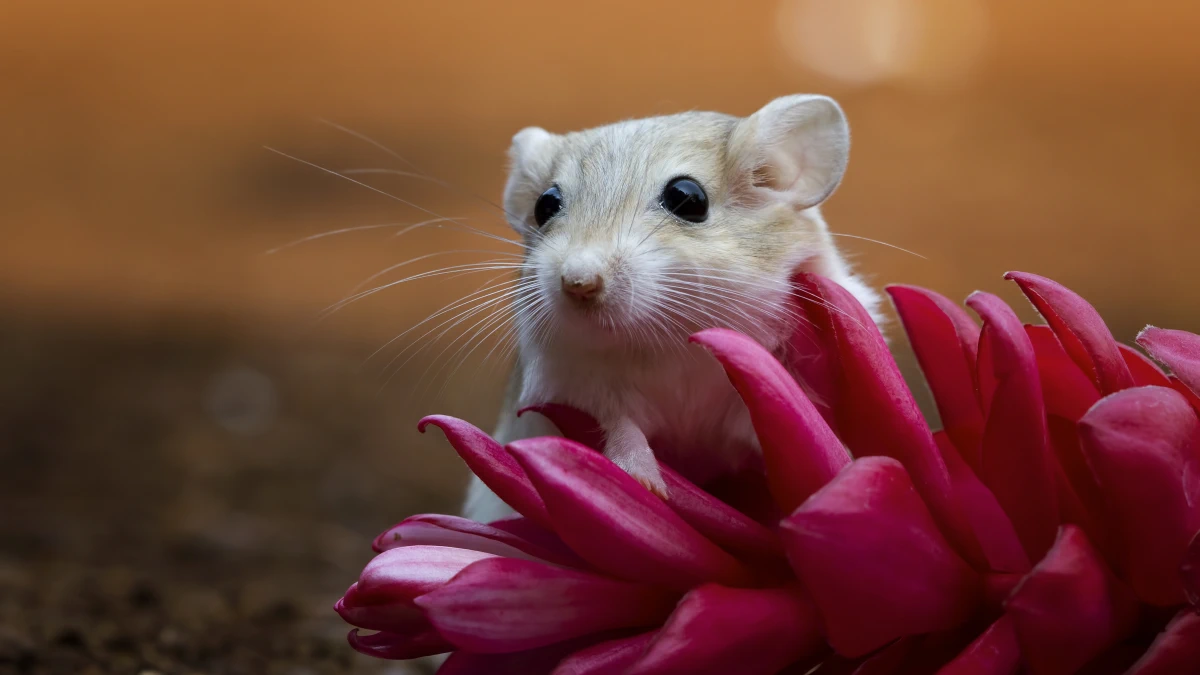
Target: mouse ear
795, 149
531, 150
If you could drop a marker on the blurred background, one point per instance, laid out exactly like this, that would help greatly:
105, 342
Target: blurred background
194, 457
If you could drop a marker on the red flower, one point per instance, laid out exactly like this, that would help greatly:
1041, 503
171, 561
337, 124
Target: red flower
1050, 527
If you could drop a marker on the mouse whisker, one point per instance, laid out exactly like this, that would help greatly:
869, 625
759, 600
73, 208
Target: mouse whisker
876, 241
455, 270
397, 266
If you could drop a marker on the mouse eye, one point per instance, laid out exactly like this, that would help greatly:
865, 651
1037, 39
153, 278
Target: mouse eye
549, 204
684, 198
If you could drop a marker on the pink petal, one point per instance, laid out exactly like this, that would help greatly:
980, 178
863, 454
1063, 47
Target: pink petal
1144, 372
615, 524
505, 605
1192, 397
544, 539
529, 662
1189, 571
717, 630
874, 561
1178, 349
572, 422
1080, 329
613, 657
945, 341
1070, 608
1138, 443
870, 387
1016, 458
383, 597
455, 532
1176, 650
995, 652
800, 450
399, 645
997, 536
724, 525
487, 459
1067, 391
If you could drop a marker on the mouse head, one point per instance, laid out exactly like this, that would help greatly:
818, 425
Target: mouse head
640, 232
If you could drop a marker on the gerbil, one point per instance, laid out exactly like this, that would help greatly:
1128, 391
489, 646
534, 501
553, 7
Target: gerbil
642, 232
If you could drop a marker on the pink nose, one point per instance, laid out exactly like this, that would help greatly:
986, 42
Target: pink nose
583, 289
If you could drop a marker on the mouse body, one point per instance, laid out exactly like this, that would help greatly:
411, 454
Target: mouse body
640, 233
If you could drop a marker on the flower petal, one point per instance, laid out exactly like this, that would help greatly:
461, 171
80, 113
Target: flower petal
615, 524
995, 652
1176, 650
613, 657
717, 630
529, 662
1178, 349
1070, 608
1016, 458
1144, 372
411, 645
870, 387
433, 529
945, 341
505, 605
1138, 443
723, 524
487, 459
997, 536
383, 597
874, 561
574, 423
1066, 390
800, 450
1080, 329
1190, 571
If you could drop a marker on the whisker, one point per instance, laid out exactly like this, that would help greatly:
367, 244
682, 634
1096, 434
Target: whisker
876, 241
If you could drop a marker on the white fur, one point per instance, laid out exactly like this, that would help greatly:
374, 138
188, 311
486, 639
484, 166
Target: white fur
625, 360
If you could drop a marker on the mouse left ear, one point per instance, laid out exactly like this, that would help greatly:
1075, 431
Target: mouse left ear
794, 149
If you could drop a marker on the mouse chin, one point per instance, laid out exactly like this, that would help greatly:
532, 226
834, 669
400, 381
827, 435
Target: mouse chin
604, 325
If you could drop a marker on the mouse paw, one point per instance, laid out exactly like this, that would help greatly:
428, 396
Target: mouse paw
643, 468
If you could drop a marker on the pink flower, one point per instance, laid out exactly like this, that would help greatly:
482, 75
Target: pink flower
1050, 527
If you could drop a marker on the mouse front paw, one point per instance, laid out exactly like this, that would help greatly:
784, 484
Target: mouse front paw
643, 467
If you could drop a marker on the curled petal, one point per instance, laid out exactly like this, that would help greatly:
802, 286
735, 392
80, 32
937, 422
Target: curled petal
945, 341
1080, 329
1066, 390
1016, 458
1138, 443
505, 605
1176, 650
800, 450
723, 524
572, 422
1189, 571
1178, 349
1144, 372
995, 652
411, 645
615, 524
540, 661
613, 657
870, 387
383, 597
441, 530
1070, 608
717, 630
496, 468
874, 561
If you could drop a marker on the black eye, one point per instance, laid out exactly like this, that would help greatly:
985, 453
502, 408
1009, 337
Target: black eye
547, 205
684, 198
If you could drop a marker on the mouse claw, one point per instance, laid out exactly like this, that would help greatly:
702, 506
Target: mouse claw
655, 485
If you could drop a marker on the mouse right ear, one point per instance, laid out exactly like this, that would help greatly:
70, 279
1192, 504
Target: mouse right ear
531, 151
795, 149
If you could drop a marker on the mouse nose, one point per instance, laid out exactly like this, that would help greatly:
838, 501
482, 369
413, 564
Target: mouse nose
584, 288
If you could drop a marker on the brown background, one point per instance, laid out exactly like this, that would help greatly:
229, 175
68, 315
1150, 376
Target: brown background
191, 466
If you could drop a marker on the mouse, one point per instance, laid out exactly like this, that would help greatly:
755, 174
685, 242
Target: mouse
639, 233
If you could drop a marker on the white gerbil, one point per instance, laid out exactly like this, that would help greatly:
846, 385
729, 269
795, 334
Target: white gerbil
642, 232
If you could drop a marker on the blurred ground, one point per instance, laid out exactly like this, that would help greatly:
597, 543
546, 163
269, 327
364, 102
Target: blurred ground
192, 469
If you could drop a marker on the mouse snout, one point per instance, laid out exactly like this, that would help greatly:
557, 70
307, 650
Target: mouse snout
582, 276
